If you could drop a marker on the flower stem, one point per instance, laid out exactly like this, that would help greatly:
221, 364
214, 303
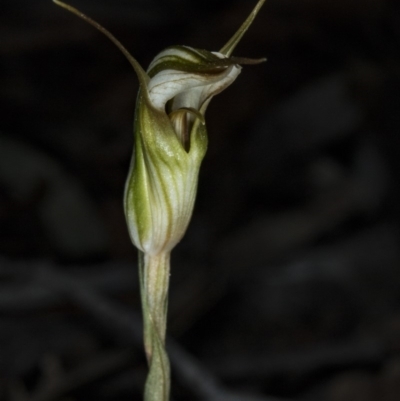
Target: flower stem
154, 281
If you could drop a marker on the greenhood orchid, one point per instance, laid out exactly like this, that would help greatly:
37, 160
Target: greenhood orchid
160, 191
170, 135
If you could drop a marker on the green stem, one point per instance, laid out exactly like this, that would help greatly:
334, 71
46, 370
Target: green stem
154, 281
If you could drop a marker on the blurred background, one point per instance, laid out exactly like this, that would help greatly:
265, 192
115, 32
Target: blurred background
287, 282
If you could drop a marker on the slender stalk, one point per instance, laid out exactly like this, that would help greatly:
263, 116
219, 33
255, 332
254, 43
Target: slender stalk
154, 280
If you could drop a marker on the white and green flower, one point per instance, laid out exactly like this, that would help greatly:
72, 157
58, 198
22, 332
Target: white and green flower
160, 191
171, 141
170, 135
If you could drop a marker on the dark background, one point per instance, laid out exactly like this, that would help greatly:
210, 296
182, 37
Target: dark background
287, 282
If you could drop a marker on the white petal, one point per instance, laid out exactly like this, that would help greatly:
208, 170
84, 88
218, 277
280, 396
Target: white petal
192, 88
